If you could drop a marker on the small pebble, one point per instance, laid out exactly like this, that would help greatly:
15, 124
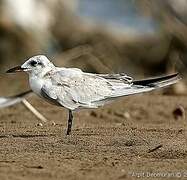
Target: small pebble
179, 112
93, 113
53, 123
40, 124
127, 115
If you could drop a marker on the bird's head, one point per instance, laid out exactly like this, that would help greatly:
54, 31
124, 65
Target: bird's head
34, 65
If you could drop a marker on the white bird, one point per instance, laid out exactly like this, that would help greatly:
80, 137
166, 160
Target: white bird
74, 89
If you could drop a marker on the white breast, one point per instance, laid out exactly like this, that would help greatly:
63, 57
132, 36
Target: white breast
36, 84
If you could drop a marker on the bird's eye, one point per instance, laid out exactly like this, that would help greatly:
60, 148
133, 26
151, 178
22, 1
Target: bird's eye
33, 63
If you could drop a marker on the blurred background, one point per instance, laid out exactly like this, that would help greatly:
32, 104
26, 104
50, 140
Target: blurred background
140, 37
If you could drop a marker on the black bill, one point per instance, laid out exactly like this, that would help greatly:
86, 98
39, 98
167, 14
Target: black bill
15, 69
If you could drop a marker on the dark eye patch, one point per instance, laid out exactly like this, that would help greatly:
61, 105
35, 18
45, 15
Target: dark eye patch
33, 63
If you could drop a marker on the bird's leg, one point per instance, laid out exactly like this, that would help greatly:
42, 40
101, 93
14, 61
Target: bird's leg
70, 119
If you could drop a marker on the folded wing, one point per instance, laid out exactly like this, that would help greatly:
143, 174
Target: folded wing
75, 89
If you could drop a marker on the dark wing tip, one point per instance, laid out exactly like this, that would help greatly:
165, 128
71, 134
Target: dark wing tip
150, 81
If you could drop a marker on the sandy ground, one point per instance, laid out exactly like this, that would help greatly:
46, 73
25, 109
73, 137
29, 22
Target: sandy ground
130, 138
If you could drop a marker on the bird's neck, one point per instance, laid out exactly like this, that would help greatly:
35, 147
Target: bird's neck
41, 74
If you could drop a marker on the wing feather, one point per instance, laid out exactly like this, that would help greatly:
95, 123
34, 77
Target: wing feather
74, 89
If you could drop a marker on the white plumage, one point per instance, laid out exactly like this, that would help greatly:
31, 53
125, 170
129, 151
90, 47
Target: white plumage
75, 89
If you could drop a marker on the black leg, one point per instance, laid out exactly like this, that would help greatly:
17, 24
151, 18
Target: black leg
70, 119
